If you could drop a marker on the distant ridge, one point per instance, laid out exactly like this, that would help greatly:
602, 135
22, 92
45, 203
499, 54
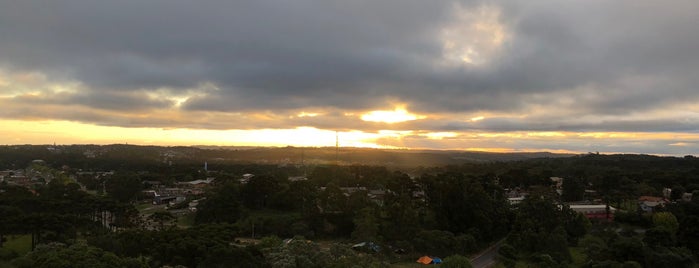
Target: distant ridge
144, 154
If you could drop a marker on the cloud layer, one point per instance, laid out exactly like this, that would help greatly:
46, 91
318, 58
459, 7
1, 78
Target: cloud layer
521, 66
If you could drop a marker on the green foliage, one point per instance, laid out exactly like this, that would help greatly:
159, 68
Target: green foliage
264, 223
544, 261
556, 246
575, 224
669, 257
543, 228
302, 253
462, 204
77, 255
7, 254
270, 241
162, 219
366, 225
634, 218
123, 186
207, 245
456, 261
220, 206
299, 252
666, 220
258, 192
507, 252
573, 189
688, 233
631, 264
659, 237
437, 242
627, 248
595, 247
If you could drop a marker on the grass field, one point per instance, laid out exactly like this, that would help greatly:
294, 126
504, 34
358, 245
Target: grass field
19, 243
406, 264
578, 255
185, 221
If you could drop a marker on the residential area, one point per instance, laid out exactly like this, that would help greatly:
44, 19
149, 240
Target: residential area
534, 212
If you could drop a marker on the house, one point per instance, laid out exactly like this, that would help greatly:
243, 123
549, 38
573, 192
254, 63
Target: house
557, 182
163, 199
515, 200
651, 203
246, 178
377, 196
687, 197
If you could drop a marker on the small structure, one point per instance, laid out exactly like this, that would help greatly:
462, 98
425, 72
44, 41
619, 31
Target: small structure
424, 260
515, 200
687, 197
158, 200
667, 192
297, 178
246, 178
429, 260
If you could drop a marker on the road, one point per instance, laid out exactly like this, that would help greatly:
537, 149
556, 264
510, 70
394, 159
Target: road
486, 258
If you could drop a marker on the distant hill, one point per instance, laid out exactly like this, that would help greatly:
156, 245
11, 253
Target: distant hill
12, 156
369, 156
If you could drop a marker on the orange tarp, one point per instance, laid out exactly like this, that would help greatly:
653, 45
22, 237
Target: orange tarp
424, 260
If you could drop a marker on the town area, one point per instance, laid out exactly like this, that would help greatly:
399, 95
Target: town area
137, 206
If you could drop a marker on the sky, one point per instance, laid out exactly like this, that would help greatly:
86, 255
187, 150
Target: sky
560, 76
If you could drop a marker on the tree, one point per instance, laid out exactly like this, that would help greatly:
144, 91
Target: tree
556, 245
575, 224
366, 225
627, 248
595, 248
456, 261
539, 229
677, 192
573, 189
123, 187
78, 255
507, 255
688, 233
220, 206
299, 252
669, 257
9, 221
666, 220
659, 237
161, 218
257, 193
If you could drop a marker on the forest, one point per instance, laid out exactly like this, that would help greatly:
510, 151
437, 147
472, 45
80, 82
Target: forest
451, 208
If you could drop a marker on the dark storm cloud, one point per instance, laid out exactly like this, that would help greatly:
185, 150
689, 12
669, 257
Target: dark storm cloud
131, 101
613, 58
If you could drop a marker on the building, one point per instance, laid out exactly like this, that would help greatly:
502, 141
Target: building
595, 211
651, 203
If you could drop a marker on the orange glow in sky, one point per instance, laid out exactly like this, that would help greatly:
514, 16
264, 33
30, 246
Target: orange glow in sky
65, 132
396, 116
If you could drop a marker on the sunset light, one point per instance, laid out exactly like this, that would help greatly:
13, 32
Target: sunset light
396, 116
448, 74
166, 133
